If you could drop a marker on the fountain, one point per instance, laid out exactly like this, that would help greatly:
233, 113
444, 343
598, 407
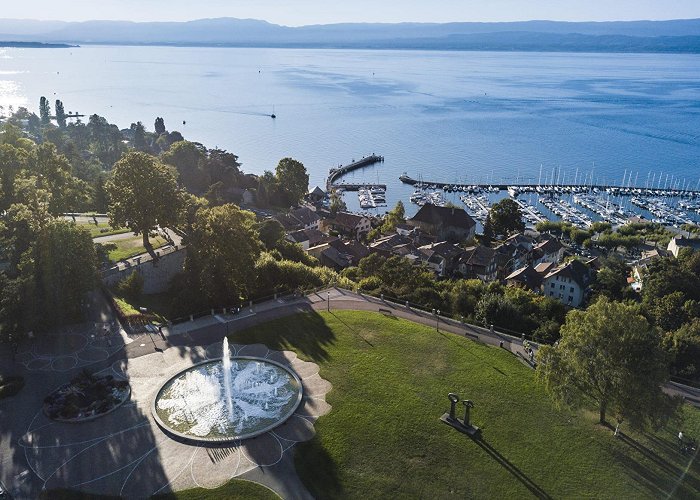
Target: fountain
227, 399
226, 361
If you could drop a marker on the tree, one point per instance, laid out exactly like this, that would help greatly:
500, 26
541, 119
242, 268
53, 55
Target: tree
684, 345
611, 280
393, 218
44, 110
504, 218
188, 158
143, 195
221, 255
160, 126
611, 356
139, 141
60, 114
292, 179
271, 233
65, 269
337, 203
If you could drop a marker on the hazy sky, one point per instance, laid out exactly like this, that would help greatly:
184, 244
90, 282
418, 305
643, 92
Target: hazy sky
299, 12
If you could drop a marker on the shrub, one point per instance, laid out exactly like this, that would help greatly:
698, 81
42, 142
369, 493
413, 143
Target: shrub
131, 287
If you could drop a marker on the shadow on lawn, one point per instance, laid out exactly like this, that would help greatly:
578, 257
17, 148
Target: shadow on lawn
534, 488
317, 470
297, 327
662, 474
355, 332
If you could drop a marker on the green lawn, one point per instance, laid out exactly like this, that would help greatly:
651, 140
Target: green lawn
130, 247
384, 439
235, 489
102, 229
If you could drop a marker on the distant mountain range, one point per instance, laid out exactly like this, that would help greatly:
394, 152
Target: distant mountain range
622, 36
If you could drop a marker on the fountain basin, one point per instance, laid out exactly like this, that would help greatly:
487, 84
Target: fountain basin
193, 405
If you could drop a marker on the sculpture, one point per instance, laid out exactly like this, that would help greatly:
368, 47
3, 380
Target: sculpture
465, 425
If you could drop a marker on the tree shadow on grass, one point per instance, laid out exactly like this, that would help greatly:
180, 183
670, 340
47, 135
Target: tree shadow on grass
297, 327
661, 473
355, 332
318, 470
534, 488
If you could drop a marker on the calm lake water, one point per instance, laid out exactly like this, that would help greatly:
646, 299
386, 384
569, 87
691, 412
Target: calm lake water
446, 116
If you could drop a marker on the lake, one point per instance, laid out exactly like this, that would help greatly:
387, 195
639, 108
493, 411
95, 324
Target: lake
445, 116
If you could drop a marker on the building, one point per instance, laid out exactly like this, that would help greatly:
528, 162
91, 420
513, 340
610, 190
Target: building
550, 250
307, 238
525, 277
442, 257
445, 223
347, 224
316, 195
298, 219
568, 283
678, 243
479, 262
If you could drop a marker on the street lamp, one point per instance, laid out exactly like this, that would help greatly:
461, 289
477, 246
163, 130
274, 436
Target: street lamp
437, 320
328, 300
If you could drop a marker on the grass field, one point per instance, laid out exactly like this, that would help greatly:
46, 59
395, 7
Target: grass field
130, 247
233, 490
384, 439
102, 229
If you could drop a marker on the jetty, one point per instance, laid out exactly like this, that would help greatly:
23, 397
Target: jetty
336, 173
555, 189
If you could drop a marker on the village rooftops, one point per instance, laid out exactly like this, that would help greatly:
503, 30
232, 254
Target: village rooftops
577, 271
446, 216
527, 277
478, 256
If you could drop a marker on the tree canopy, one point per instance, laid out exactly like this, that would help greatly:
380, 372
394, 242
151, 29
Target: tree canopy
222, 250
609, 355
504, 218
143, 195
292, 179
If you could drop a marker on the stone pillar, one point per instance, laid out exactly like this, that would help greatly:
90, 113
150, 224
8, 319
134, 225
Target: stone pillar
454, 399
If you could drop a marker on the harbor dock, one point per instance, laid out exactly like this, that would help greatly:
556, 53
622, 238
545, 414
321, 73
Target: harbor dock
556, 189
336, 173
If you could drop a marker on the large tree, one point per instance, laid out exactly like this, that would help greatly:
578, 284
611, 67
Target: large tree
44, 110
143, 195
504, 218
222, 250
292, 179
609, 355
189, 159
60, 114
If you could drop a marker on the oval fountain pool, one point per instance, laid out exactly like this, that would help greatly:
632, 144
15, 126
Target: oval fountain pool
227, 399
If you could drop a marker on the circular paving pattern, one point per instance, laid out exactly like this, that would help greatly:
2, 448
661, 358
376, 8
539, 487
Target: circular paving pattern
71, 347
126, 454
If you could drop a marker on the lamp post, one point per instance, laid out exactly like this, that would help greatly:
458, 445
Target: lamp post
328, 300
437, 320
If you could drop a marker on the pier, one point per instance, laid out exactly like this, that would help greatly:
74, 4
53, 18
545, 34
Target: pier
337, 173
515, 189
357, 187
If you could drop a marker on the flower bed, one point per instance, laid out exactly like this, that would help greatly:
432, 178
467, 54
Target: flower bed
86, 397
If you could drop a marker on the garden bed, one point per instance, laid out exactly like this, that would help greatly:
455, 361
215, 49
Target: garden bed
86, 397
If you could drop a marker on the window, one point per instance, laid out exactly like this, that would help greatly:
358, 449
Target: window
552, 284
572, 289
571, 299
561, 287
551, 294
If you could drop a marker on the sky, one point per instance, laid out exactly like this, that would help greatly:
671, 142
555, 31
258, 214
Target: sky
302, 12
